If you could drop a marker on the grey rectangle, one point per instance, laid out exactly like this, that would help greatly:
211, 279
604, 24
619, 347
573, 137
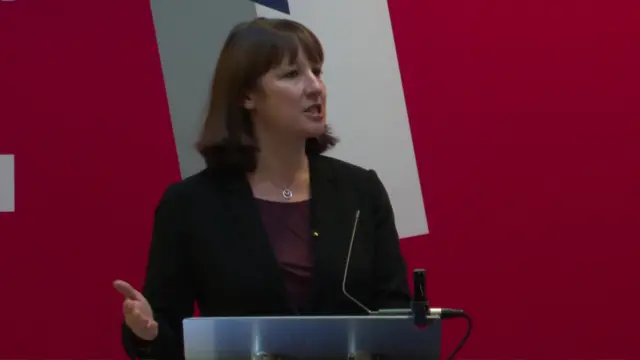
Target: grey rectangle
7, 183
331, 337
190, 36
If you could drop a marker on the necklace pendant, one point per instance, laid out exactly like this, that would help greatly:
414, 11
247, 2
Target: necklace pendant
287, 194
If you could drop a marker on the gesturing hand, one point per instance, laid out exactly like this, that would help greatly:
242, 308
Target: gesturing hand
137, 312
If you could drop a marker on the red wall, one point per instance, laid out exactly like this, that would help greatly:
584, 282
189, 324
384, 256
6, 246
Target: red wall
83, 108
526, 123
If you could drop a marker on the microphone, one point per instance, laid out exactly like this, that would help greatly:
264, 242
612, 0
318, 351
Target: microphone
420, 309
388, 312
420, 304
346, 267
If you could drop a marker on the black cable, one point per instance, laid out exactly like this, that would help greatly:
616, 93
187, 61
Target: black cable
464, 338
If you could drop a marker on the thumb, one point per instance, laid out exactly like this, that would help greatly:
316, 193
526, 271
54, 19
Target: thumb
152, 325
127, 290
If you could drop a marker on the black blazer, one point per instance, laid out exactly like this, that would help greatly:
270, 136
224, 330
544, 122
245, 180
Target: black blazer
209, 247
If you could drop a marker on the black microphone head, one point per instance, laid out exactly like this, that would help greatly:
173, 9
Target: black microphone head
419, 285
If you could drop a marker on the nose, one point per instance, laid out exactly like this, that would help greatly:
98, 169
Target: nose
314, 85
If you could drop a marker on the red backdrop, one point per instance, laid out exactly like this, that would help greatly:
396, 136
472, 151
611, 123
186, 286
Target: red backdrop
526, 127
84, 110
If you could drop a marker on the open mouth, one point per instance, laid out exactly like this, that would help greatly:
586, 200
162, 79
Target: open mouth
315, 109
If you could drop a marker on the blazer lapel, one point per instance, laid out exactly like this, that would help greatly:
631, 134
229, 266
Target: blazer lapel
333, 210
253, 238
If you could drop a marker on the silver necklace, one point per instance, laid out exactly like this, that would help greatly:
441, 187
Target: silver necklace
287, 194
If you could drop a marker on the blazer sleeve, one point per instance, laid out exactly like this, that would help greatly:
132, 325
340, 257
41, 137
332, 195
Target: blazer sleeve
390, 274
168, 284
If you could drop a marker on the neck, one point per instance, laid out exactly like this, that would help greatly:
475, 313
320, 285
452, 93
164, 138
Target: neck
281, 161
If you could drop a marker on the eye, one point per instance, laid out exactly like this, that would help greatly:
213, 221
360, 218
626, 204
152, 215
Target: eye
291, 74
317, 72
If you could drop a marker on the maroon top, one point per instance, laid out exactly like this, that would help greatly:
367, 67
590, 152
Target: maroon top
288, 227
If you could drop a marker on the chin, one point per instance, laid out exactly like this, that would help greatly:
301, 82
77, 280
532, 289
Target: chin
314, 130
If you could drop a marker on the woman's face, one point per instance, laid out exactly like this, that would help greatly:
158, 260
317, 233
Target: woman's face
290, 100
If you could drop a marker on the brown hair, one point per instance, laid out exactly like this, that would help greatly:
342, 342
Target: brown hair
252, 48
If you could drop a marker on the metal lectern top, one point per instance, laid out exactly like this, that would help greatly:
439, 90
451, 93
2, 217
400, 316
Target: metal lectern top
309, 337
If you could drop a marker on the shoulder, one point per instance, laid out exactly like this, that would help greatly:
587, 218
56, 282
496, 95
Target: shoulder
189, 189
341, 168
363, 183
187, 186
362, 178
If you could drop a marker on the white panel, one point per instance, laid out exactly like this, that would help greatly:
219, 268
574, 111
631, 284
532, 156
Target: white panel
366, 104
7, 183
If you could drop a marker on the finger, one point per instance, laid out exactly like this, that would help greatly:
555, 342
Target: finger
129, 306
135, 312
152, 325
136, 320
150, 331
127, 290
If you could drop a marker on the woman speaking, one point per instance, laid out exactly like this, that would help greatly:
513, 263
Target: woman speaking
265, 229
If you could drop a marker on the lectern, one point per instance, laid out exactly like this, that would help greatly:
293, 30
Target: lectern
314, 338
